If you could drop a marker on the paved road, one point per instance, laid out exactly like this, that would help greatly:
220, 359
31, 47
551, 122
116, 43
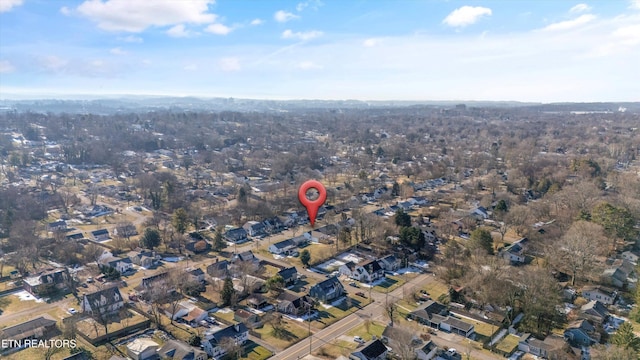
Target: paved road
373, 311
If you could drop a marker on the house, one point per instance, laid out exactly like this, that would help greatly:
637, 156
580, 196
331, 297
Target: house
480, 213
75, 236
100, 235
274, 225
427, 352
595, 311
551, 347
283, 247
47, 281
630, 257
431, 313
103, 302
369, 271
246, 317
614, 277
121, 264
348, 270
289, 275
142, 349
194, 316
245, 256
390, 263
59, 225
39, 328
327, 290
372, 350
177, 350
257, 301
294, 304
255, 229
195, 275
581, 333
620, 274
154, 280
603, 294
236, 235
238, 333
457, 326
219, 269
125, 231
514, 253
143, 258
176, 311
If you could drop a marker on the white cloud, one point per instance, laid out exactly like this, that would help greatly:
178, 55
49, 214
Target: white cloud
628, 35
131, 39
6, 67
117, 51
179, 31
304, 35
570, 24
7, 5
580, 8
256, 22
229, 64
218, 29
311, 4
635, 4
284, 16
370, 42
309, 65
466, 15
137, 15
65, 11
53, 63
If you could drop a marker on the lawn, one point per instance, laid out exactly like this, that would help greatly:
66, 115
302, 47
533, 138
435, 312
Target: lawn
94, 329
375, 328
335, 349
11, 304
436, 289
391, 283
254, 351
226, 315
327, 316
508, 344
292, 334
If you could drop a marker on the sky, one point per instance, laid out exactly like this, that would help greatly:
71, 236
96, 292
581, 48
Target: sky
541, 51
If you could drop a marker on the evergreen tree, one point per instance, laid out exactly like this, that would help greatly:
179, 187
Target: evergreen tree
402, 219
180, 220
151, 238
482, 238
305, 257
228, 292
218, 241
626, 338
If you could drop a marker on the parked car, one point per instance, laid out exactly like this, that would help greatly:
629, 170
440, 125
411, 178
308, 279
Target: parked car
358, 339
361, 294
72, 311
353, 284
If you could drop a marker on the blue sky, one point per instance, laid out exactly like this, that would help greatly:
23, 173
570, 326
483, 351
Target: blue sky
543, 50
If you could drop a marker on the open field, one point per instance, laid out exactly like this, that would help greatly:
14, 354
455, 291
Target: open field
94, 329
374, 328
293, 332
508, 343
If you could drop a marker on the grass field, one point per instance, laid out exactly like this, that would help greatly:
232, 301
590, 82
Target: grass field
11, 304
327, 316
508, 343
375, 328
93, 329
391, 283
292, 334
254, 351
436, 289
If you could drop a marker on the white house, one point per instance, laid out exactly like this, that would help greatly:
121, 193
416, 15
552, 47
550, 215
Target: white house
142, 349
104, 302
121, 264
213, 342
603, 294
282, 247
427, 352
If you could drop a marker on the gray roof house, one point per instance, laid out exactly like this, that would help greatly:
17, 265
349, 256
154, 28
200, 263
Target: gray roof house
327, 290
105, 301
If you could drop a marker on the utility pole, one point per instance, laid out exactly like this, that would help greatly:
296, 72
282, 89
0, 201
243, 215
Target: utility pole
309, 321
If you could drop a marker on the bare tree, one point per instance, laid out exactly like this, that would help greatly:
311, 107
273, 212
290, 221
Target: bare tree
577, 249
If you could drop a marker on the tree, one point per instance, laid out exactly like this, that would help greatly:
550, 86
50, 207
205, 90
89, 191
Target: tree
402, 219
305, 257
110, 273
180, 220
576, 251
151, 238
195, 340
395, 190
612, 352
617, 222
626, 338
228, 292
390, 310
412, 237
481, 238
275, 283
242, 196
218, 241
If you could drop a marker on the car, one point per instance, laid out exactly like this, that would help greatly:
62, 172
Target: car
72, 311
358, 339
353, 284
452, 352
361, 294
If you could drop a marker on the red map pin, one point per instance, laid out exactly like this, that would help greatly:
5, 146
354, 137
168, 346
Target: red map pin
312, 205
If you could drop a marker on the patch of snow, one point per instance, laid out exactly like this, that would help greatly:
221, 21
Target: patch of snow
26, 296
